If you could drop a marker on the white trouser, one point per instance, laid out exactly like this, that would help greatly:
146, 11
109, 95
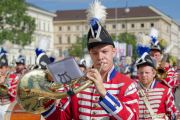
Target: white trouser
3, 109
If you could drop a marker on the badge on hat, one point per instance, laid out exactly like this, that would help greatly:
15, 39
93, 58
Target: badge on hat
155, 45
146, 59
97, 34
3, 58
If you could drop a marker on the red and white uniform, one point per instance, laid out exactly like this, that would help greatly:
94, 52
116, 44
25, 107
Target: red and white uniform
120, 102
171, 80
11, 83
161, 101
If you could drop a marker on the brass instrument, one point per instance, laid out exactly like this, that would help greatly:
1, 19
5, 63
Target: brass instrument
161, 72
3, 88
35, 90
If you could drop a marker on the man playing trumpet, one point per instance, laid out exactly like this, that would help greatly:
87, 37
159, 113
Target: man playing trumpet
161, 57
113, 95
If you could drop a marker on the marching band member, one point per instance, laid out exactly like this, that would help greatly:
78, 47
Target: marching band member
113, 95
9, 82
156, 99
157, 53
20, 65
41, 57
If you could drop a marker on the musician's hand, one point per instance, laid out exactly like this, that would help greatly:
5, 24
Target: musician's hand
95, 76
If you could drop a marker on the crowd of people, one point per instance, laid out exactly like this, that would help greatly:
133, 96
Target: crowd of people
145, 95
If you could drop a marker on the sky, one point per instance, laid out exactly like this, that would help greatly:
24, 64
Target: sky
169, 7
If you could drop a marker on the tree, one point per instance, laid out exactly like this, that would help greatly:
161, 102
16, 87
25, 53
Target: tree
15, 25
78, 48
128, 39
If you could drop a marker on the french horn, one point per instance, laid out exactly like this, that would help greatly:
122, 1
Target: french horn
36, 89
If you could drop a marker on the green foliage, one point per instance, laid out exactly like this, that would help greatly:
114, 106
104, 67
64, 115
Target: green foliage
129, 39
15, 25
78, 48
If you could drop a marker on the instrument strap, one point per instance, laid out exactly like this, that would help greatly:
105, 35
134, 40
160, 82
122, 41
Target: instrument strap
143, 96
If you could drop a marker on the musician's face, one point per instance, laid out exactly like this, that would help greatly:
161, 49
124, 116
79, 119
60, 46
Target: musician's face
156, 54
3, 70
146, 75
102, 54
20, 68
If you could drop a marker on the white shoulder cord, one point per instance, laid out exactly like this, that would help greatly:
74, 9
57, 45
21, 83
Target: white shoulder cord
143, 96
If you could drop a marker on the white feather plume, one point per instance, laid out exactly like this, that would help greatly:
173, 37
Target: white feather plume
97, 10
169, 48
143, 40
43, 43
154, 33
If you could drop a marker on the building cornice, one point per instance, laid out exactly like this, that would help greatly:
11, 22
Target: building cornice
37, 10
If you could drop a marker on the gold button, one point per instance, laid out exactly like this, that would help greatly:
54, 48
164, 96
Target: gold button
95, 106
96, 98
94, 113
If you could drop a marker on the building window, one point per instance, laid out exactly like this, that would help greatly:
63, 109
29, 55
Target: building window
132, 25
69, 40
123, 25
69, 28
60, 40
152, 24
167, 29
60, 28
77, 27
77, 38
44, 25
48, 27
39, 25
60, 52
114, 26
142, 25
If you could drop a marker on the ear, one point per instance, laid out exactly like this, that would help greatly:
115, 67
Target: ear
114, 50
154, 72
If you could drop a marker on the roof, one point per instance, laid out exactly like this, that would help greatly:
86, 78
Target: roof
140, 11
37, 7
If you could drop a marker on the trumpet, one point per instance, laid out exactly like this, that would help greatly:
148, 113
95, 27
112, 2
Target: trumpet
36, 89
161, 72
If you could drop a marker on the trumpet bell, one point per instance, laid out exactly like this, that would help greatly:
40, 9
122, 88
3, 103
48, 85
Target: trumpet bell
30, 89
161, 74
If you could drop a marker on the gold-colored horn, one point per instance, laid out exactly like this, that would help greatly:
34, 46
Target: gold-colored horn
35, 90
4, 87
161, 72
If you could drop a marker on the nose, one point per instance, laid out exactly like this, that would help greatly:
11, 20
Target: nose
100, 56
